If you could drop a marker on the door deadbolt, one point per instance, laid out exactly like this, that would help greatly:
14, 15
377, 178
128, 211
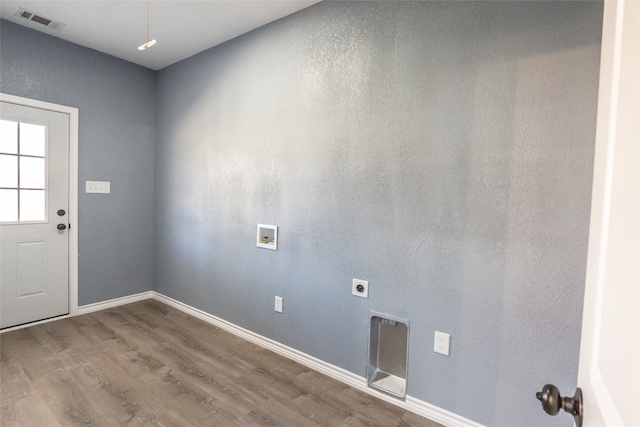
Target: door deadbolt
61, 212
61, 227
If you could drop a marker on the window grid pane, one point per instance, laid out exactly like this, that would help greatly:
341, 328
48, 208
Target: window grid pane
8, 171
23, 171
32, 172
8, 137
8, 205
33, 139
32, 205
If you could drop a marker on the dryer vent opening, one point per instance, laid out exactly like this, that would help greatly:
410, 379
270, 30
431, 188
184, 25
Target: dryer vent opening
388, 350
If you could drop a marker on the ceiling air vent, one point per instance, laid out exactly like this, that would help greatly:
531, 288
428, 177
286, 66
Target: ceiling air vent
49, 23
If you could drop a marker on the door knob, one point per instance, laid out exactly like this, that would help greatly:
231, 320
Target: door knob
61, 227
552, 402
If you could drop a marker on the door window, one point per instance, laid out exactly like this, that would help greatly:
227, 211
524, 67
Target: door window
23, 167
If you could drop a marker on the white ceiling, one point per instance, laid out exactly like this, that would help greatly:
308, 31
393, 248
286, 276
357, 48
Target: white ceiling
182, 28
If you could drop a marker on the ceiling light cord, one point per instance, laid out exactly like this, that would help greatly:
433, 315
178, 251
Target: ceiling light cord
149, 43
148, 15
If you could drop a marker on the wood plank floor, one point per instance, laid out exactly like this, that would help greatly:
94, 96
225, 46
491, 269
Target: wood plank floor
149, 364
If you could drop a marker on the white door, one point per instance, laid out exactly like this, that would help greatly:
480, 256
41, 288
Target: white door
34, 212
609, 372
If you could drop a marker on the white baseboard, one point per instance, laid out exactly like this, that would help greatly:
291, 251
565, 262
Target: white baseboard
90, 308
438, 414
411, 404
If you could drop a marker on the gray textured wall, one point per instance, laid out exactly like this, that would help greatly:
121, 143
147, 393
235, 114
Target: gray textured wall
441, 150
116, 100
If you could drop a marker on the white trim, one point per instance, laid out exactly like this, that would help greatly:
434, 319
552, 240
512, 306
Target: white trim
616, 133
73, 189
89, 308
438, 414
116, 302
74, 120
411, 404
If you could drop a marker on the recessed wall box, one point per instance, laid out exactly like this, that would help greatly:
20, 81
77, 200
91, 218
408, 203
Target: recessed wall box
267, 237
388, 350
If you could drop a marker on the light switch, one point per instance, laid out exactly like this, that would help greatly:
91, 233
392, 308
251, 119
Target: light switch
98, 187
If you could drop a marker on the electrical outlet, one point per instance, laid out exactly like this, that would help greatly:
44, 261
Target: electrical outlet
360, 288
441, 343
279, 304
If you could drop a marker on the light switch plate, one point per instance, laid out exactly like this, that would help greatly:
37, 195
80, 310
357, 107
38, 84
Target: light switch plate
98, 187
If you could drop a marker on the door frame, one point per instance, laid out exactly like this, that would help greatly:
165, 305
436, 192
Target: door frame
614, 129
73, 195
